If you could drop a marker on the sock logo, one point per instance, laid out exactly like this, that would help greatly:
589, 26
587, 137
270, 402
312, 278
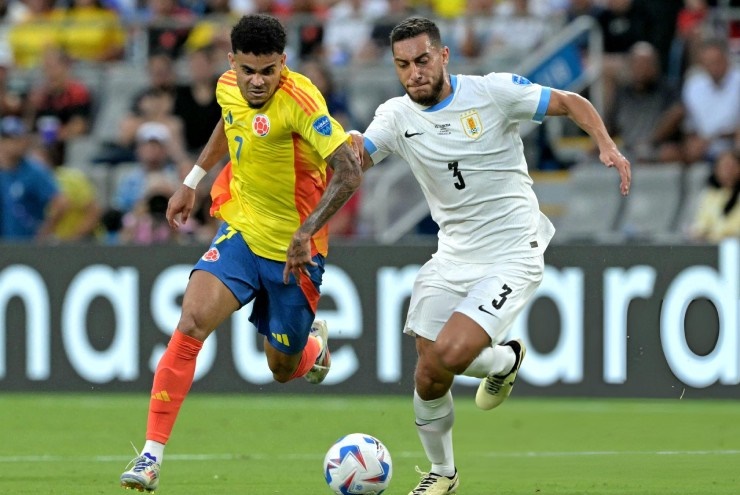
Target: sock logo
163, 396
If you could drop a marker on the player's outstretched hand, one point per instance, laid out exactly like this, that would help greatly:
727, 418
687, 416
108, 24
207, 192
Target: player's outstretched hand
298, 257
180, 205
612, 157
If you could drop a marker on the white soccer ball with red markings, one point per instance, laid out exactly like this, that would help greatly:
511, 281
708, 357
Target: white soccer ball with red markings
358, 464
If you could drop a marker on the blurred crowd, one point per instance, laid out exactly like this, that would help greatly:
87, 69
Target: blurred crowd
670, 77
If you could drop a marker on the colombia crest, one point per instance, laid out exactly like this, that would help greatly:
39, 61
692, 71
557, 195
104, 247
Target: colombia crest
261, 125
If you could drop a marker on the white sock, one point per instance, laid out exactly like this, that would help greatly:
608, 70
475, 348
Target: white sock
496, 360
154, 449
434, 420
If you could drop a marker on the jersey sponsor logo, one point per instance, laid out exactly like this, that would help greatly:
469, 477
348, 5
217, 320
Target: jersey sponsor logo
211, 255
412, 134
471, 124
323, 125
261, 125
520, 80
229, 118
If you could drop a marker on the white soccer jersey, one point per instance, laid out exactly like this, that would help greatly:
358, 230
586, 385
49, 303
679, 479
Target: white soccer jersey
467, 155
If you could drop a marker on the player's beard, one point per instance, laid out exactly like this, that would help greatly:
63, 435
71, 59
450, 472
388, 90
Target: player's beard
433, 97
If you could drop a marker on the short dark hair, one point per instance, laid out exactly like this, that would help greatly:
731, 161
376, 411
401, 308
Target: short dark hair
416, 26
259, 34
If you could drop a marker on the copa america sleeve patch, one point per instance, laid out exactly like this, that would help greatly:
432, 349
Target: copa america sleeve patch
521, 80
323, 125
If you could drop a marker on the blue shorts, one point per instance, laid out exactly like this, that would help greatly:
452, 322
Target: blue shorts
282, 313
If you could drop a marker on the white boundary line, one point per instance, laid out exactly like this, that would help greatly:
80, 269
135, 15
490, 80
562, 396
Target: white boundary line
258, 456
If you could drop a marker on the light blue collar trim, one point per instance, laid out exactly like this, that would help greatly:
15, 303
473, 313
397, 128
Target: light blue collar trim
446, 101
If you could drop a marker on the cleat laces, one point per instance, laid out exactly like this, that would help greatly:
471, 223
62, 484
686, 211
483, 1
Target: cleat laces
494, 384
427, 481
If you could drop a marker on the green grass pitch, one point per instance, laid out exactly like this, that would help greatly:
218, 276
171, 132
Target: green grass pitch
262, 445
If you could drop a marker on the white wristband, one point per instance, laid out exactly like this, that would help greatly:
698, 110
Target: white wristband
195, 176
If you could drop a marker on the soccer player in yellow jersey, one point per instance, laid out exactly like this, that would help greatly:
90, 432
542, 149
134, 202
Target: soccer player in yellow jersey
275, 205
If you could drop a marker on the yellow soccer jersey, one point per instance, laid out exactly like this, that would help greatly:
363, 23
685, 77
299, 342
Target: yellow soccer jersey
278, 162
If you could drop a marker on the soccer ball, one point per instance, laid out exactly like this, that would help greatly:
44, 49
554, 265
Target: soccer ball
358, 464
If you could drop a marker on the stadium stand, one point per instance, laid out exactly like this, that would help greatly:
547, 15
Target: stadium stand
583, 200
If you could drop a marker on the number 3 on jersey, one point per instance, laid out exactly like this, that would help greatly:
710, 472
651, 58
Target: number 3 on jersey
460, 184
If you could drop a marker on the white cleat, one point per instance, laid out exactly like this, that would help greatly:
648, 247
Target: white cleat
436, 484
143, 476
494, 389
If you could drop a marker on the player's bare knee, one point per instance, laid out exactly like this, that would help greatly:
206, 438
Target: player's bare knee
430, 390
453, 358
189, 325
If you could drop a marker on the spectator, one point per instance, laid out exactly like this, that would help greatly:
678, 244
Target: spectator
60, 106
718, 214
711, 98
11, 13
308, 17
81, 218
160, 67
213, 29
195, 103
153, 140
146, 223
662, 19
623, 23
518, 29
690, 24
156, 105
348, 26
35, 33
168, 26
11, 102
336, 99
448, 9
92, 33
645, 113
30, 200
578, 8
552, 9
112, 224
154, 102
378, 46
473, 30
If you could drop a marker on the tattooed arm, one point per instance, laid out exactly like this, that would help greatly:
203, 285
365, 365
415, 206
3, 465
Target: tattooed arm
345, 181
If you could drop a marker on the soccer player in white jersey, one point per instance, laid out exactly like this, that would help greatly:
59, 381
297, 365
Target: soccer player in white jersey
460, 135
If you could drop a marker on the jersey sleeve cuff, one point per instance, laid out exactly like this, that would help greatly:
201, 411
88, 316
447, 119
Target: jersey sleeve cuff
539, 115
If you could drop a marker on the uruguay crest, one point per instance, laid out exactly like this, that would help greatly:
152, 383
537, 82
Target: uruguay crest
471, 124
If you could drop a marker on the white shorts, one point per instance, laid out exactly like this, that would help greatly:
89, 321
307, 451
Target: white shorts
492, 295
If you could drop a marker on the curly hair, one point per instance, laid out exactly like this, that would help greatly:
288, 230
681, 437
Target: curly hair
258, 34
416, 26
